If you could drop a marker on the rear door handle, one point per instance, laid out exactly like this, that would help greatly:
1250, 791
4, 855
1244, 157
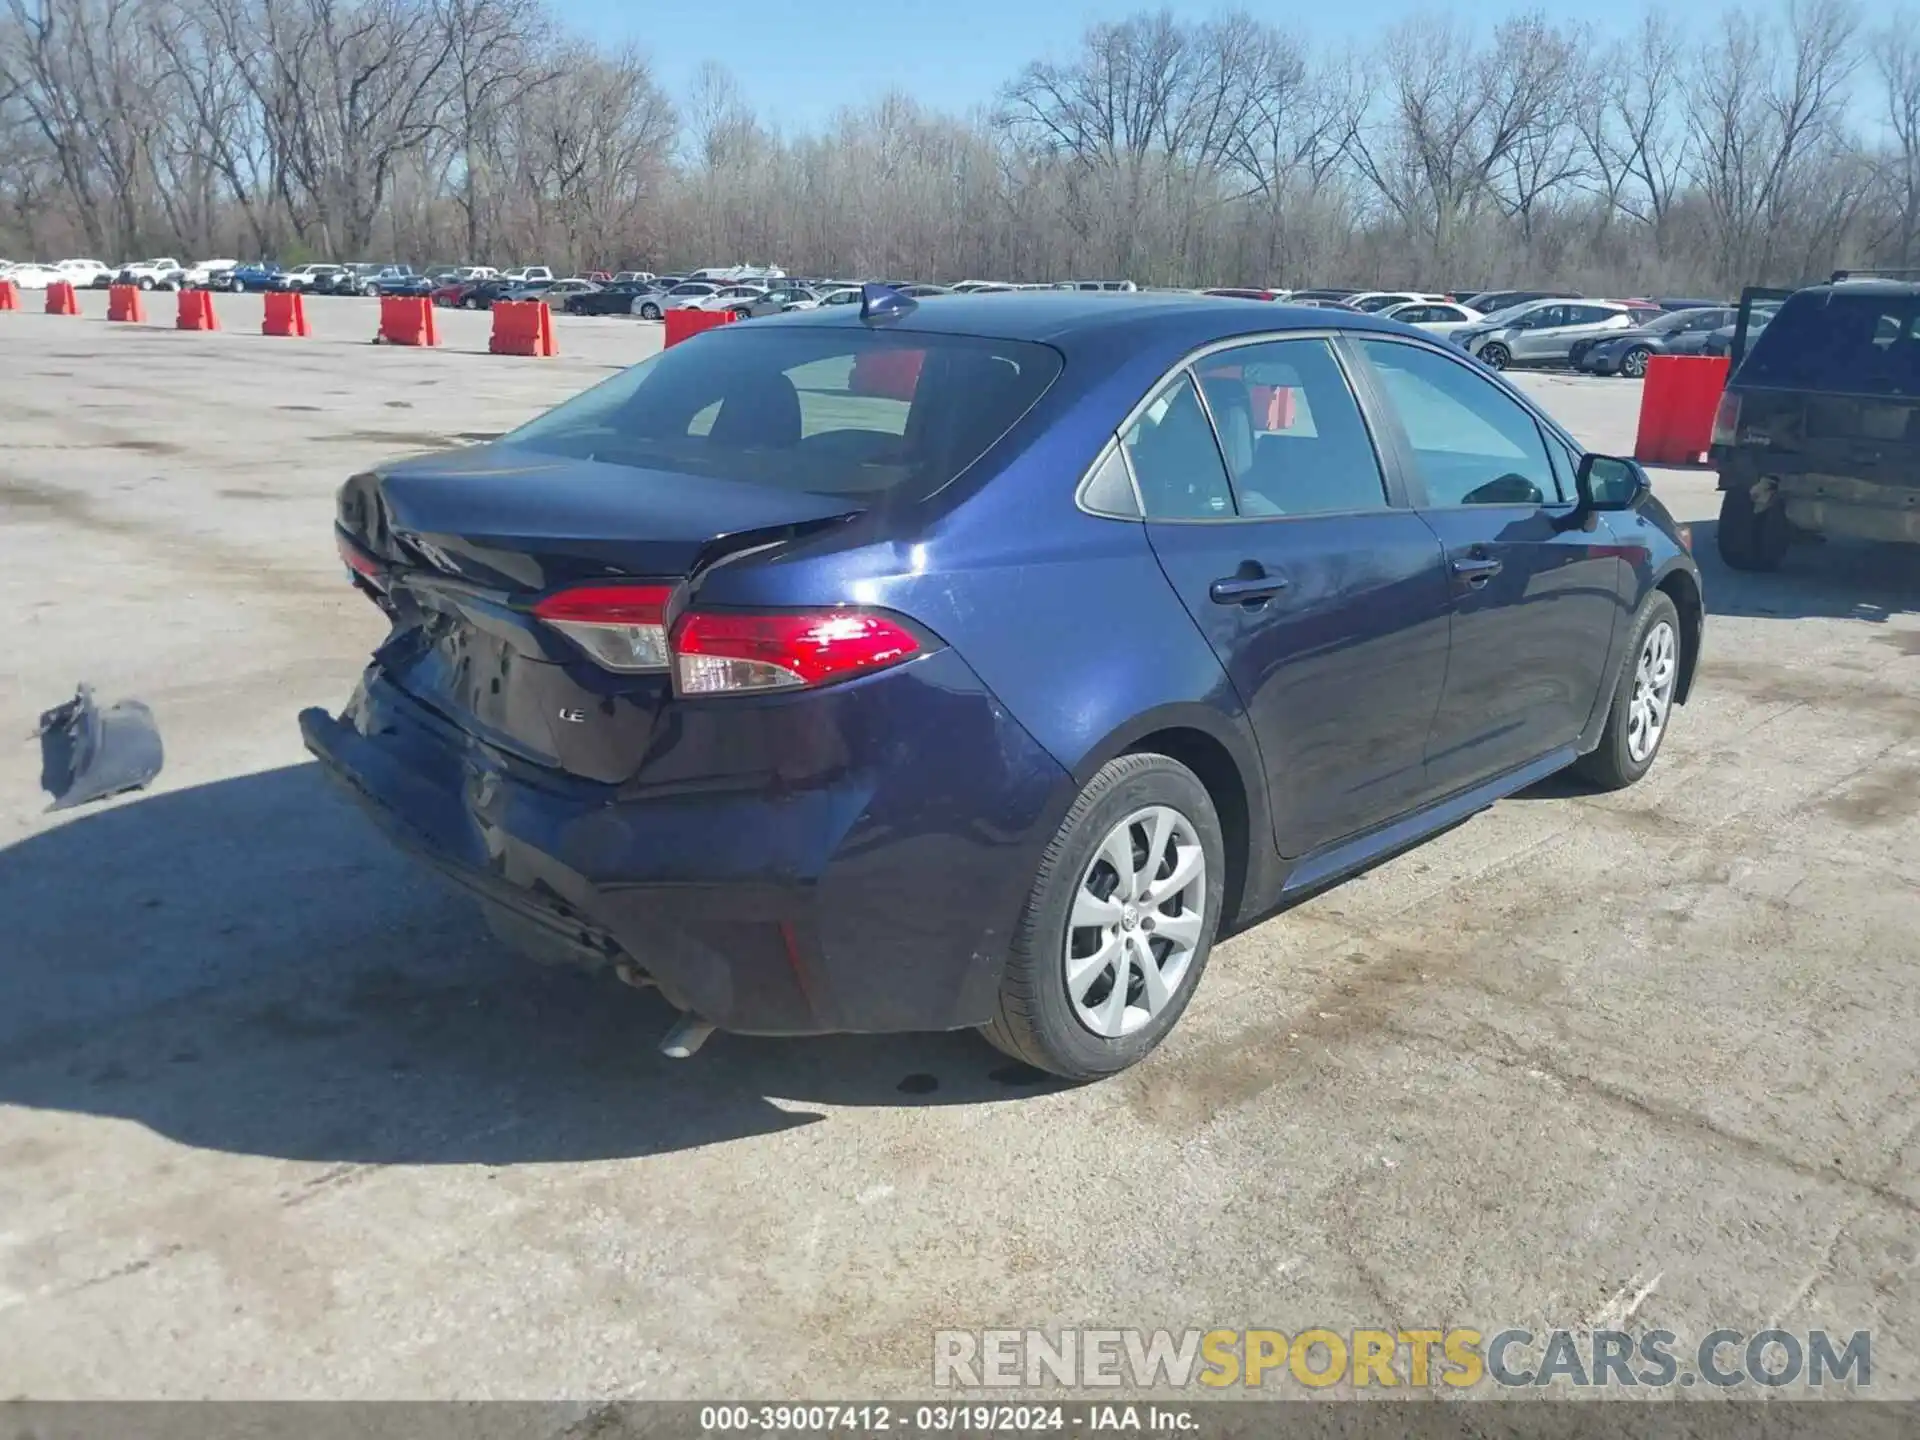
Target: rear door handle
1476, 570
1246, 589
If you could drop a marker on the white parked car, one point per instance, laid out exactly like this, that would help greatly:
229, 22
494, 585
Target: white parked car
727, 297
1540, 332
526, 274
1374, 302
687, 295
739, 274
84, 273
1436, 317
206, 274
34, 277
304, 277
164, 273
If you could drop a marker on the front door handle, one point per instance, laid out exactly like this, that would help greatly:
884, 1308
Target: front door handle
1476, 570
1246, 589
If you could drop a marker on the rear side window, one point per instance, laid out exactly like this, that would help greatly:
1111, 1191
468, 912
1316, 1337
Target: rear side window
1174, 458
833, 411
1846, 344
1291, 430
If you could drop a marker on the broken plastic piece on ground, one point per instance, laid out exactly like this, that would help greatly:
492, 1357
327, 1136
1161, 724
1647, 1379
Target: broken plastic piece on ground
87, 753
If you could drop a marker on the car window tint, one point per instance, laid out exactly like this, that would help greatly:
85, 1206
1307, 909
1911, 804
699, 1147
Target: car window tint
1291, 430
1175, 461
827, 411
1831, 341
1589, 314
1472, 443
1109, 489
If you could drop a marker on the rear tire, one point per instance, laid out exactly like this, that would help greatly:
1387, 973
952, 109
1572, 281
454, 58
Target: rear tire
1627, 750
1750, 539
1133, 802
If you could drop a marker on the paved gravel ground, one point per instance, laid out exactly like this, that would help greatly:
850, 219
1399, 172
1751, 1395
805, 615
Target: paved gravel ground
277, 1119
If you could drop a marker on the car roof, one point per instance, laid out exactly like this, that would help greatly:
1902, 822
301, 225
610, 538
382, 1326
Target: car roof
1869, 285
1068, 318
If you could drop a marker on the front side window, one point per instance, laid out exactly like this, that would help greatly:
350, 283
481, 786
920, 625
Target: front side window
1174, 458
1290, 429
1472, 443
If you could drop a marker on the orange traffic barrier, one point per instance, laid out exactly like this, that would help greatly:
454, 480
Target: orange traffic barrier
886, 374
196, 311
1677, 402
9, 295
123, 303
522, 327
685, 324
286, 314
61, 300
406, 320
1272, 406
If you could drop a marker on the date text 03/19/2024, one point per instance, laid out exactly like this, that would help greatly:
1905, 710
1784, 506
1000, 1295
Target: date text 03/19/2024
944, 1419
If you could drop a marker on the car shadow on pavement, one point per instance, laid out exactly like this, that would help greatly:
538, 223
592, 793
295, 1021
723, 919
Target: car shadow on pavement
246, 966
1839, 579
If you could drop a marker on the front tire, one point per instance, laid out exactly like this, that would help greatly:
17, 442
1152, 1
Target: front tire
1750, 539
146, 282
1643, 700
1118, 928
649, 311
1633, 364
1496, 356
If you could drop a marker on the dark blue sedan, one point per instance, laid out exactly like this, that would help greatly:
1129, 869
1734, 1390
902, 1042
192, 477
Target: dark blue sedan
971, 663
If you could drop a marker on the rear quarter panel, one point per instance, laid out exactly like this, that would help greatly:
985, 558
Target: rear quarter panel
1065, 617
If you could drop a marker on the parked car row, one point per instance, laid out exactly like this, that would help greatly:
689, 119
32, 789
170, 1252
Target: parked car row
1501, 328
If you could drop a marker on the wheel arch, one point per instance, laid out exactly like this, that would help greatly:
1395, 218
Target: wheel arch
1228, 765
1679, 585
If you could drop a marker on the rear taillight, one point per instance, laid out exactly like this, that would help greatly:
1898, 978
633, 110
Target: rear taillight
359, 562
1726, 420
718, 653
622, 627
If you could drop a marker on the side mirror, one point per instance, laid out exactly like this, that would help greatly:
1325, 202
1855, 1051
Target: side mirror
1607, 484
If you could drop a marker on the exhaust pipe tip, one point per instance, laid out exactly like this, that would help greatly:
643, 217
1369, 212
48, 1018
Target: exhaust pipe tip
686, 1037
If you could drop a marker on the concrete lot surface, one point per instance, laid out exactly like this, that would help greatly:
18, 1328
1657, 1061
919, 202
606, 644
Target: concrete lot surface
278, 1119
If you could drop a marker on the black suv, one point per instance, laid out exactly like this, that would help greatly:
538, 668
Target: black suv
1818, 432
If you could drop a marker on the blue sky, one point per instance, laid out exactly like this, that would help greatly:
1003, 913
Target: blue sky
806, 61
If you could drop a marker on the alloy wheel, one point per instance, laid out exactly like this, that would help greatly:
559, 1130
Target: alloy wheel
1652, 697
1634, 366
1138, 914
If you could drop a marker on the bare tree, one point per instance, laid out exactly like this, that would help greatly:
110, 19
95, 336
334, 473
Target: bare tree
1896, 52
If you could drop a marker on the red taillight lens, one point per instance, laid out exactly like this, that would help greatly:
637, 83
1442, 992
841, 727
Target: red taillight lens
622, 627
1726, 419
717, 653
358, 561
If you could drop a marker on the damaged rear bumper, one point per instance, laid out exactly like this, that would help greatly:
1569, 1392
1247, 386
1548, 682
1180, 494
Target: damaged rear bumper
869, 902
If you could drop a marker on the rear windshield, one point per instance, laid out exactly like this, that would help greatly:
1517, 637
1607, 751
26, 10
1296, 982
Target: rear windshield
829, 410
1849, 344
